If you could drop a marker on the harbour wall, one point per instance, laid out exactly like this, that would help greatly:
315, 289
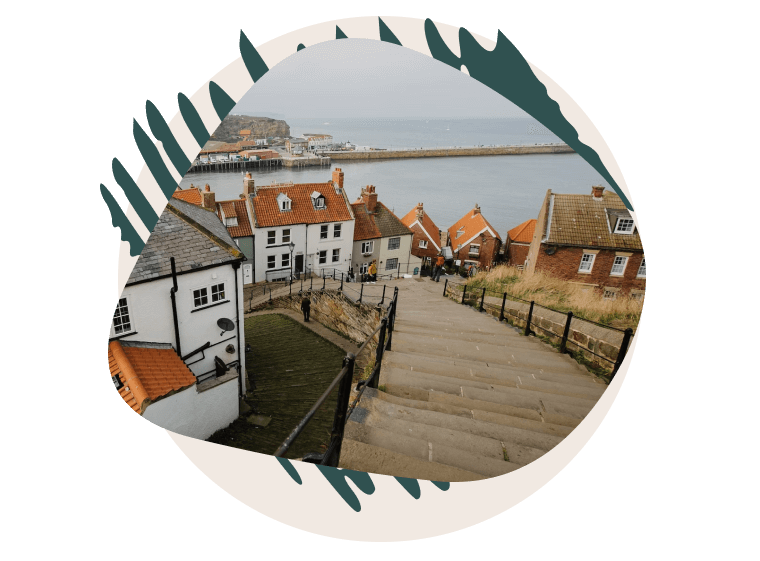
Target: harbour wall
447, 152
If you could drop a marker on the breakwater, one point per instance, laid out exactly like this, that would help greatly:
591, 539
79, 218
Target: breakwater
449, 151
233, 165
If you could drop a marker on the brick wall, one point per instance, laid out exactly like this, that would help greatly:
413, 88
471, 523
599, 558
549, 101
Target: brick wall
489, 251
566, 260
419, 234
517, 253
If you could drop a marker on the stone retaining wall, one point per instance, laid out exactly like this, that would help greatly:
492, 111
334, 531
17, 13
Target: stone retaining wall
443, 152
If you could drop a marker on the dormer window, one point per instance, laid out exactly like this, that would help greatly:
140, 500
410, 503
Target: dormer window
318, 200
624, 226
283, 202
231, 221
460, 232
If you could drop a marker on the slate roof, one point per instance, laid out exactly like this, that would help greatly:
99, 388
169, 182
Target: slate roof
579, 220
380, 224
473, 223
194, 236
524, 232
147, 371
267, 213
427, 224
238, 208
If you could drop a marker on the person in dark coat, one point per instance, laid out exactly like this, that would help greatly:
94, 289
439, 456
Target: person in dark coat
306, 308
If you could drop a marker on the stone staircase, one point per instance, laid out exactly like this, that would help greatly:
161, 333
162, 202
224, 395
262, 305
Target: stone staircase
463, 397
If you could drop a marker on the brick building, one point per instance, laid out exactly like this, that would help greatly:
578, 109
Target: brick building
426, 243
591, 240
518, 242
474, 241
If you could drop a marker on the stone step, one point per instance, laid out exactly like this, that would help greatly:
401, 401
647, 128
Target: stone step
554, 415
552, 362
359, 456
574, 395
500, 432
436, 322
466, 334
427, 451
516, 422
498, 345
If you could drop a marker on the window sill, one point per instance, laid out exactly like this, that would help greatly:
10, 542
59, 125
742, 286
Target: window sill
209, 306
641, 278
121, 336
584, 272
210, 383
618, 275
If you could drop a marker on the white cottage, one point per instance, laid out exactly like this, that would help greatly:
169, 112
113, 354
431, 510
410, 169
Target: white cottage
300, 228
176, 345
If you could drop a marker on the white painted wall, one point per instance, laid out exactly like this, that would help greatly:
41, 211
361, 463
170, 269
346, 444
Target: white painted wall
150, 309
382, 254
197, 415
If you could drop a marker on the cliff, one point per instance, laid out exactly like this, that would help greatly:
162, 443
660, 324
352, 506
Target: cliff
260, 127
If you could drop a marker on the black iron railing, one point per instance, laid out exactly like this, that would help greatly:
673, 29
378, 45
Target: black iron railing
451, 289
343, 381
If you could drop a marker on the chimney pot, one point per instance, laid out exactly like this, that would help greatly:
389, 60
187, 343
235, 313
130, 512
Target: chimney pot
597, 191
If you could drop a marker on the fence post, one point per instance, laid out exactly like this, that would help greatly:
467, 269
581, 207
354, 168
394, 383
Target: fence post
444, 287
623, 351
464, 292
391, 322
379, 354
324, 282
482, 298
563, 344
383, 299
339, 421
270, 294
530, 317
311, 283
361, 293
290, 287
341, 281
503, 303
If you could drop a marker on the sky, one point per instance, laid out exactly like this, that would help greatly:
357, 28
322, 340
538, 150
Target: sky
365, 78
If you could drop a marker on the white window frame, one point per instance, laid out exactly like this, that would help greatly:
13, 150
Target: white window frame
320, 203
610, 293
627, 221
215, 296
132, 328
211, 295
285, 260
286, 236
271, 237
363, 268
322, 256
200, 296
395, 241
271, 262
337, 230
392, 261
474, 249
642, 272
590, 263
336, 255
231, 221
368, 247
423, 244
324, 231
621, 265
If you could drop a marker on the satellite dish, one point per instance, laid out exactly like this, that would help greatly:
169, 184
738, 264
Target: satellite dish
225, 325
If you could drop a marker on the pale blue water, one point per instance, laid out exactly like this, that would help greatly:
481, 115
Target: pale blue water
509, 189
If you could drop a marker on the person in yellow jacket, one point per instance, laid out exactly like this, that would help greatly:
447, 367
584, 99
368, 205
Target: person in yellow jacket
373, 271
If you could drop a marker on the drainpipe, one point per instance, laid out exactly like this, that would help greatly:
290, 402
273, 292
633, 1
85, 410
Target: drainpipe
173, 293
306, 252
236, 268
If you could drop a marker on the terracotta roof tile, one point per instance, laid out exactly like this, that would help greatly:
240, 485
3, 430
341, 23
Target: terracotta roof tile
427, 224
189, 195
148, 371
245, 132
364, 226
239, 209
472, 224
582, 221
267, 212
524, 232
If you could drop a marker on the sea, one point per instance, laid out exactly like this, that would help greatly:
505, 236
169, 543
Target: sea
508, 189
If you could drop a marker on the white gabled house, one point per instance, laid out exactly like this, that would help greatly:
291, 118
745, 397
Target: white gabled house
176, 347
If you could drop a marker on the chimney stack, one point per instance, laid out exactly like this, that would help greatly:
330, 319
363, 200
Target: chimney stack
249, 187
337, 177
419, 211
208, 199
370, 198
597, 191
476, 210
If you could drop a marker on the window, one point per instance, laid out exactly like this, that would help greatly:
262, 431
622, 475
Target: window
286, 259
624, 226
642, 272
423, 244
587, 262
323, 257
319, 202
200, 297
271, 237
364, 268
610, 294
271, 262
367, 247
217, 292
336, 231
323, 231
618, 267
391, 264
637, 295
232, 221
121, 320
394, 243
474, 249
286, 235
336, 255
285, 204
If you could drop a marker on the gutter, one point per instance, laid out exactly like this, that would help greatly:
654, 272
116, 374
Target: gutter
172, 293
236, 268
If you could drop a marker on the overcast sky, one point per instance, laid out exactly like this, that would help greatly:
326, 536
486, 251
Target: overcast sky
366, 78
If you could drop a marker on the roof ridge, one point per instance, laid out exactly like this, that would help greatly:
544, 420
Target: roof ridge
213, 237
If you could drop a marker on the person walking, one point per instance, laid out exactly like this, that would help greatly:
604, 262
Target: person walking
373, 272
438, 268
306, 308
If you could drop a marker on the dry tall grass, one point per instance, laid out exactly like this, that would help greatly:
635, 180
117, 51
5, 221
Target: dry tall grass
560, 295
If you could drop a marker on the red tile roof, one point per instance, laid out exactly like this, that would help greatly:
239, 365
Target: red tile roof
189, 195
472, 224
427, 224
524, 232
147, 372
364, 227
267, 212
245, 132
238, 208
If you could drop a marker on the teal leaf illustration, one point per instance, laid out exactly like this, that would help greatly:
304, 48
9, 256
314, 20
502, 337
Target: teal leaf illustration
119, 220
301, 47
192, 119
154, 161
285, 463
337, 478
136, 198
339, 33
412, 486
222, 102
162, 132
387, 35
252, 59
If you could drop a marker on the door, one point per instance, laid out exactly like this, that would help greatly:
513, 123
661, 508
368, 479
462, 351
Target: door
299, 265
247, 274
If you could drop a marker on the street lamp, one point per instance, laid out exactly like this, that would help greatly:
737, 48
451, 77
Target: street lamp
292, 246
